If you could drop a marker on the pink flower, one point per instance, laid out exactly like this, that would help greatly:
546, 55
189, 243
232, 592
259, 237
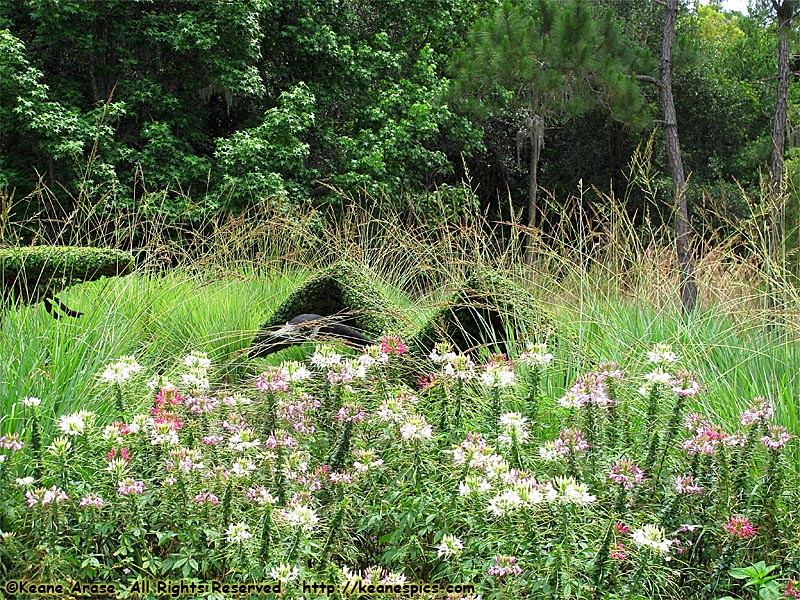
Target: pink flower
11, 441
617, 552
206, 497
392, 345
504, 565
44, 496
283, 439
621, 528
341, 373
790, 591
684, 484
626, 472
777, 438
707, 436
350, 414
91, 500
210, 440
740, 527
130, 486
758, 412
198, 405
571, 440
684, 384
275, 379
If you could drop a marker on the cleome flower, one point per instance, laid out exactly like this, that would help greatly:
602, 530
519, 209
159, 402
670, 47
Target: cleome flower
626, 472
652, 537
535, 354
121, 370
740, 527
450, 546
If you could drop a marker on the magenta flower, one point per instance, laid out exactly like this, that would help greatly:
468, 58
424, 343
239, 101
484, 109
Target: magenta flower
169, 396
617, 552
740, 527
504, 565
123, 453
626, 472
777, 438
121, 427
392, 345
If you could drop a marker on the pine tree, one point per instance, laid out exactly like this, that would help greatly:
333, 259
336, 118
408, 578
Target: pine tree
544, 62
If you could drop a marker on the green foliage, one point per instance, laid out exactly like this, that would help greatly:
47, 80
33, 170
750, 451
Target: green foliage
269, 160
32, 273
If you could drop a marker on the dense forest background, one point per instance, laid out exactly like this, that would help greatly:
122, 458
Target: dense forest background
192, 109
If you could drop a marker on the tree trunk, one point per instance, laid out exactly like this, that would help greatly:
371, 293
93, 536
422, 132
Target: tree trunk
785, 12
688, 288
536, 130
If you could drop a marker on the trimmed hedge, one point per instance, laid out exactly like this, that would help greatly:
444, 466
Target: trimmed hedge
488, 309
343, 289
33, 273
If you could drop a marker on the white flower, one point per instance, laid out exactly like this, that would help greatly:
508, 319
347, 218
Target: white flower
324, 357
536, 354
284, 573
550, 452
24, 481
651, 536
504, 503
416, 428
513, 428
497, 375
661, 354
303, 517
195, 379
72, 424
121, 370
242, 467
573, 492
31, 401
197, 360
450, 546
238, 533
653, 379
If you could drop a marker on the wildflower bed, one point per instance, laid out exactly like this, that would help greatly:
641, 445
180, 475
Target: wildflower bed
336, 471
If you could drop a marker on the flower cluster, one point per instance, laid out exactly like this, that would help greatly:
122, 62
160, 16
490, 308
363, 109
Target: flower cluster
740, 527
498, 372
626, 472
121, 370
535, 354
196, 376
504, 565
588, 389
